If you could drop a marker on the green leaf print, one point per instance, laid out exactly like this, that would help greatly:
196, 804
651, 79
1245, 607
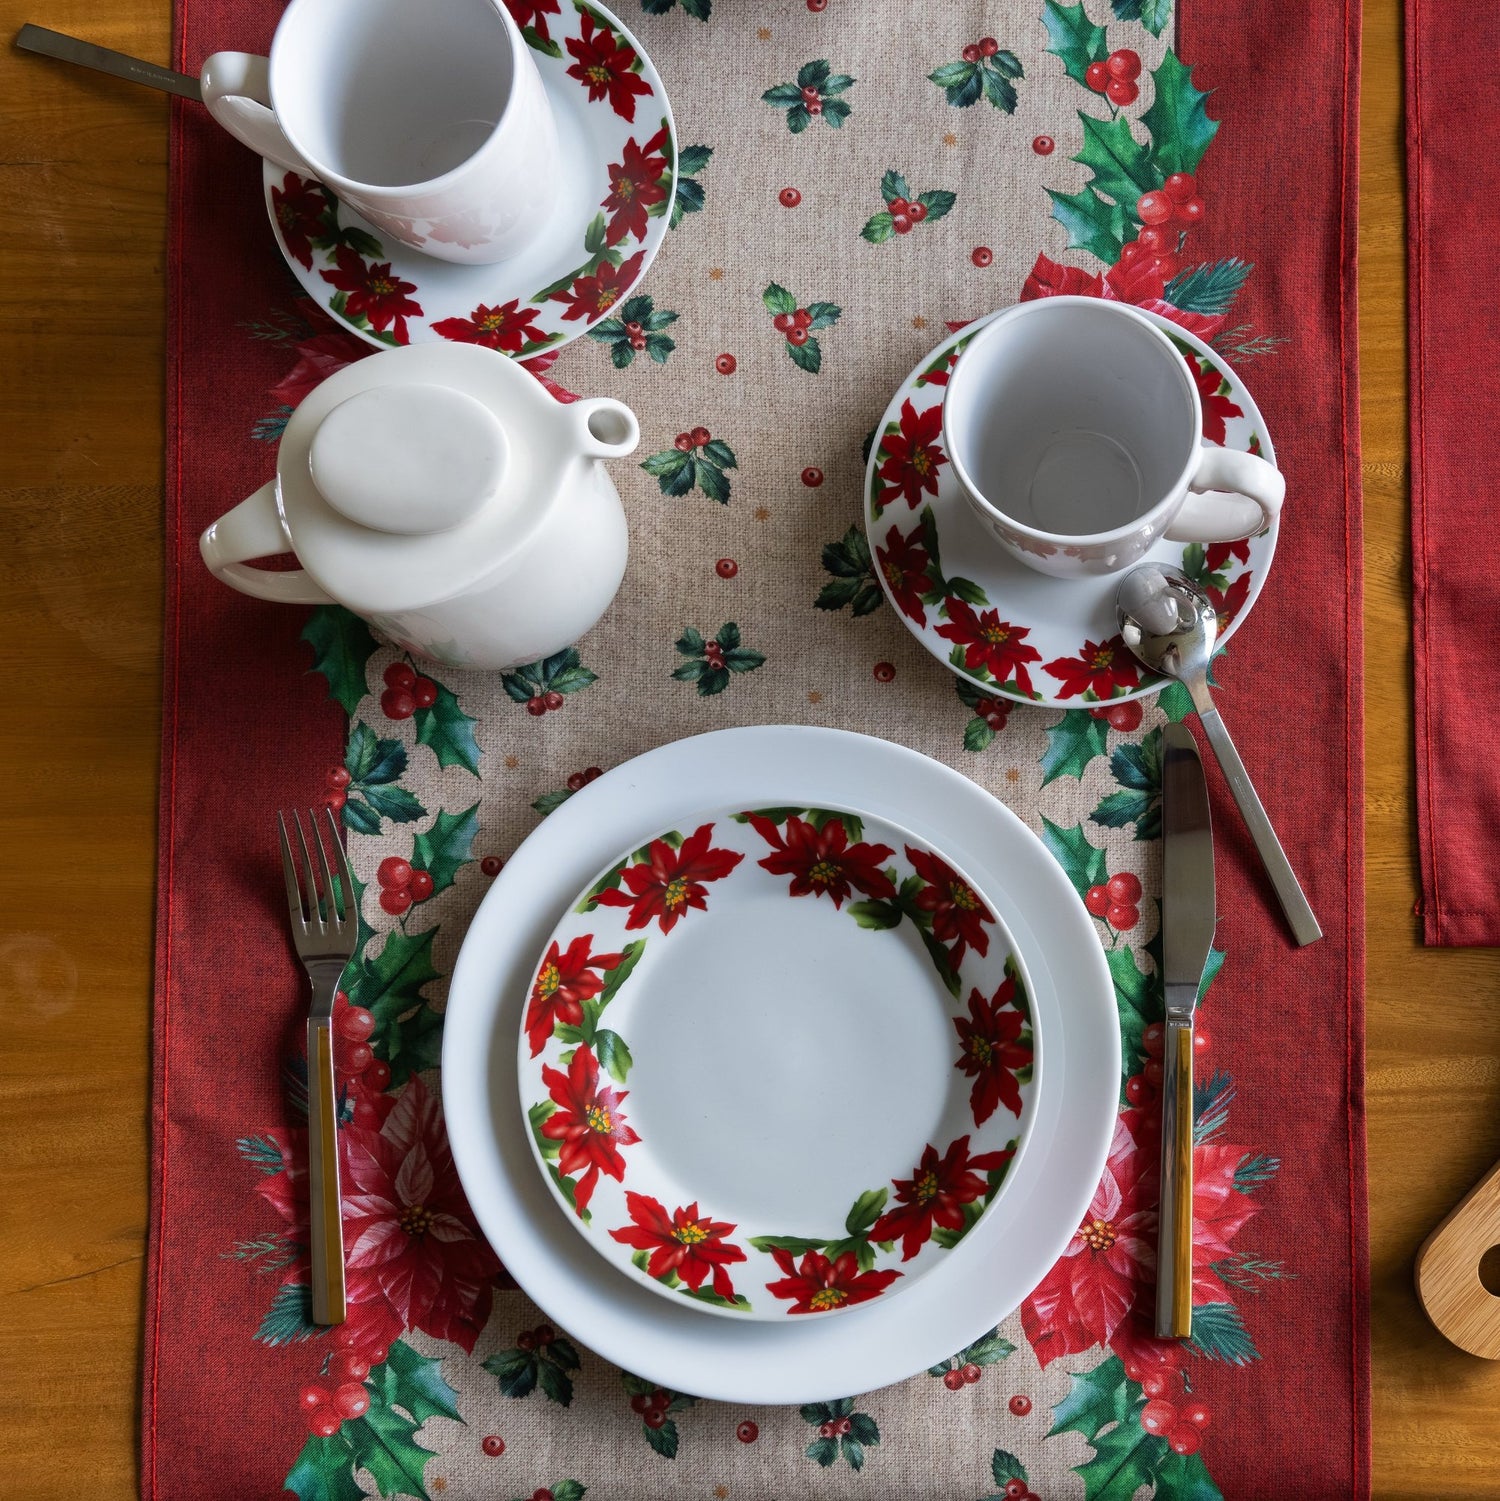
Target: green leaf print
1093, 224
324, 1471
342, 645
1074, 38
1180, 128
1082, 861
1210, 288
1072, 744
288, 1321
448, 732
416, 1383
1096, 1399
1154, 15
444, 849
853, 582
1123, 169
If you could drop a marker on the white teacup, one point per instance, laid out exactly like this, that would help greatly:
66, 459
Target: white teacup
427, 117
1075, 430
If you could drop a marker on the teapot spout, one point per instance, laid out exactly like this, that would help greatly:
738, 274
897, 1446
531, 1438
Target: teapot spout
605, 428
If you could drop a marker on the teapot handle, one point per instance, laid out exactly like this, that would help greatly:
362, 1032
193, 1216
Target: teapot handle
253, 530
606, 429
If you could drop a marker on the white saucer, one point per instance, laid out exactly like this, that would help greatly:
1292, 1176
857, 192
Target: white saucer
996, 1266
953, 585
518, 306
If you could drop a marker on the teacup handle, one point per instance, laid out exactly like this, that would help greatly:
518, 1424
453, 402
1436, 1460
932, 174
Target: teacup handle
253, 530
236, 89
1255, 492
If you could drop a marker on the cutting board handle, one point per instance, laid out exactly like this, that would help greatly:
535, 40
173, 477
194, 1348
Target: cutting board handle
1447, 1271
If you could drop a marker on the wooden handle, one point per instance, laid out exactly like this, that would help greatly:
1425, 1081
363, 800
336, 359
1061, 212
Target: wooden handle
323, 1177
1174, 1241
1447, 1271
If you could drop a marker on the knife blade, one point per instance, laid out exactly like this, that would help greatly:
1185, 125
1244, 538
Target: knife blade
1187, 926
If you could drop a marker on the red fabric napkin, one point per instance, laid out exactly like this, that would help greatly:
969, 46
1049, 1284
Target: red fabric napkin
1452, 182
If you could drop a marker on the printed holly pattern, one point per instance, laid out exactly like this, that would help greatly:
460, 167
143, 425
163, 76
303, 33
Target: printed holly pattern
985, 71
701, 9
968, 1365
853, 582
696, 460
842, 1433
541, 1359
799, 325
636, 330
710, 661
903, 209
814, 95
543, 686
691, 160
656, 1408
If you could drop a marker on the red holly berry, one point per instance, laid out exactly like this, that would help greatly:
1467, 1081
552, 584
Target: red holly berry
1158, 1417
1096, 76
995, 719
1020, 1404
700, 436
638, 342
1124, 717
325, 1422
1160, 1383
812, 477
313, 1396
885, 672
1124, 64
812, 5
1043, 145
1120, 93
395, 900
356, 1024
1184, 1439
970, 1372
351, 1400
400, 675
970, 54
1158, 240
575, 781
953, 1380
1124, 887
1194, 1412
347, 1365
988, 46
713, 654
1167, 266
640, 1402
492, 865
1122, 917
1138, 1092
726, 364
1180, 186
1152, 1071
815, 108
789, 197
397, 703
797, 336
898, 205
335, 798
541, 1493
1200, 1041
803, 318
901, 223
748, 1431
1015, 1490
378, 1074
545, 1335
917, 212
421, 885
1131, 251
809, 93
825, 1430
1152, 1039
845, 1425
1153, 208
592, 774
982, 256
493, 1445
683, 443
654, 1417
983, 706
358, 1058
393, 873
1096, 899
783, 323
526, 1340
726, 568
338, 776
1191, 211
552, 699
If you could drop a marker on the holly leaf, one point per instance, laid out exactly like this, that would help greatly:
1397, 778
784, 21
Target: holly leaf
666, 463
893, 185
778, 300
341, 644
416, 1383
990, 1350
413, 1044
1072, 743
810, 75
369, 759
1008, 64
1125, 1459
1095, 1399
809, 355
1092, 223
556, 1384
952, 75
863, 594
394, 803
938, 203
1123, 169
743, 659
879, 228
798, 119
863, 1428
384, 1443
693, 159
1005, 1467
448, 731
835, 83
1074, 38
515, 1370
568, 1490
835, 111
1184, 1477
823, 1450
444, 849
390, 984
783, 96
663, 1439
711, 481
1083, 863
1138, 1000
717, 451
729, 635
999, 90
689, 199
968, 92
977, 735
823, 314
324, 1471
854, 1452
1180, 128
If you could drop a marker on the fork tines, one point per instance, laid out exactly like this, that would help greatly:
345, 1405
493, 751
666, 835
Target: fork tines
318, 906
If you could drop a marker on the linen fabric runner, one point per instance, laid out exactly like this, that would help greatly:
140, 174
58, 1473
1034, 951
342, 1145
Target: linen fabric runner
751, 597
1454, 480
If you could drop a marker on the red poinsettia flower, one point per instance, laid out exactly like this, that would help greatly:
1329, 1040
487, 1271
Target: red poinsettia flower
904, 563
1101, 667
507, 327
935, 1194
410, 1239
683, 1241
668, 882
1229, 602
990, 1036
301, 208
588, 1123
822, 861
991, 644
317, 359
533, 13
958, 913
374, 292
1138, 281
605, 65
635, 185
1049, 278
816, 1284
593, 296
566, 979
912, 457
1217, 554
1216, 407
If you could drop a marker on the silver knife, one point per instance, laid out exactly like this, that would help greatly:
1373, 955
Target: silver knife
1187, 935
71, 50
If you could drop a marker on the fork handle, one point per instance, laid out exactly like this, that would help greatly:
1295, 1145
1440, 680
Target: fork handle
323, 1176
1174, 1250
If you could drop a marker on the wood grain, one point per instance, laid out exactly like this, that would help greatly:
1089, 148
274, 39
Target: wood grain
82, 306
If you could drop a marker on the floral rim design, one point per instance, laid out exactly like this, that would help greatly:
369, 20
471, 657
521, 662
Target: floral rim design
390, 294
1047, 651
575, 1069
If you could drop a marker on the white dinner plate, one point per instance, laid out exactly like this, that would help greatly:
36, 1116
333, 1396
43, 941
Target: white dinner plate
1011, 1248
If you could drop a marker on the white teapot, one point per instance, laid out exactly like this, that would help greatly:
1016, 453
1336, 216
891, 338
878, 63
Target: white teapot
438, 491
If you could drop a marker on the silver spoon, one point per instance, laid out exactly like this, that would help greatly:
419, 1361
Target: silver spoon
1171, 625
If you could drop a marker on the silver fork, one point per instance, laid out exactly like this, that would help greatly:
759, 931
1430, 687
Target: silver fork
325, 926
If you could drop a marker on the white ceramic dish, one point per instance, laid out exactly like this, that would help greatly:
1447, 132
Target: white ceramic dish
1009, 1251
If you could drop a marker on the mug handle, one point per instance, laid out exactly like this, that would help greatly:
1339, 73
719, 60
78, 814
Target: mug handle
606, 429
253, 530
236, 89
1256, 490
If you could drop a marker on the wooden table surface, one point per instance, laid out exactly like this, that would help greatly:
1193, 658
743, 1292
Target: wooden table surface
82, 308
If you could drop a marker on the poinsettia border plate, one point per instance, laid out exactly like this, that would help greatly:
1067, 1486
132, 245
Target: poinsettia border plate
1006, 630
876, 902
390, 294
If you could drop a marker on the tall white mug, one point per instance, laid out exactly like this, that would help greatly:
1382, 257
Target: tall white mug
1075, 431
427, 117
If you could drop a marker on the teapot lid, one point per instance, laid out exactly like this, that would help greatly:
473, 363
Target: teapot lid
408, 476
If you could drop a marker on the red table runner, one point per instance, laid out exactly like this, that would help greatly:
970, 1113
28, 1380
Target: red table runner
1454, 479
246, 730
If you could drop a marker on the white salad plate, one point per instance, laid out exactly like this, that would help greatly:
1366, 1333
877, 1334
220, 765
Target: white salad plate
669, 1341
778, 1060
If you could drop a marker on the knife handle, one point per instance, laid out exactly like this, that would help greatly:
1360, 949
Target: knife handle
1174, 1256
